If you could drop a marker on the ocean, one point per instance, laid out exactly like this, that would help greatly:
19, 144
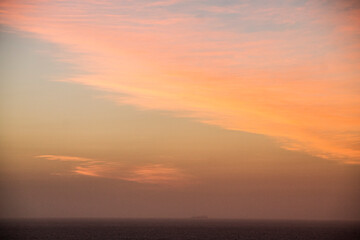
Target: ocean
172, 229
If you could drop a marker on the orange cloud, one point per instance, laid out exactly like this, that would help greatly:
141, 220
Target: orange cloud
149, 174
156, 173
281, 71
64, 158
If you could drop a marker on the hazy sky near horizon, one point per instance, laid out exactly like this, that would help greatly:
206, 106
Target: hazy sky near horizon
175, 108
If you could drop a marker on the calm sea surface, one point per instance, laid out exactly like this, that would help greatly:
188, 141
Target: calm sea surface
176, 229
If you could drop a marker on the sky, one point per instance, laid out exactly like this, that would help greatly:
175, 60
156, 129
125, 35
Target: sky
178, 108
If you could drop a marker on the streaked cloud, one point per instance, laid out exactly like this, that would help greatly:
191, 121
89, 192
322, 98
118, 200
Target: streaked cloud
64, 158
156, 173
147, 174
152, 174
289, 70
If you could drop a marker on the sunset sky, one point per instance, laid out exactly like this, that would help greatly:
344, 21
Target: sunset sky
175, 108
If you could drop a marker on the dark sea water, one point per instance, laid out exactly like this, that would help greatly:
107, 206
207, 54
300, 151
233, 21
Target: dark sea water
176, 229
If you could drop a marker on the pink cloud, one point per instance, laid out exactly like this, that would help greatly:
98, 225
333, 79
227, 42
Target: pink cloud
164, 2
298, 85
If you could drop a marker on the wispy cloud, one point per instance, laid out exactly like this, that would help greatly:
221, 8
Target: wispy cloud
289, 70
64, 158
155, 173
152, 174
147, 174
